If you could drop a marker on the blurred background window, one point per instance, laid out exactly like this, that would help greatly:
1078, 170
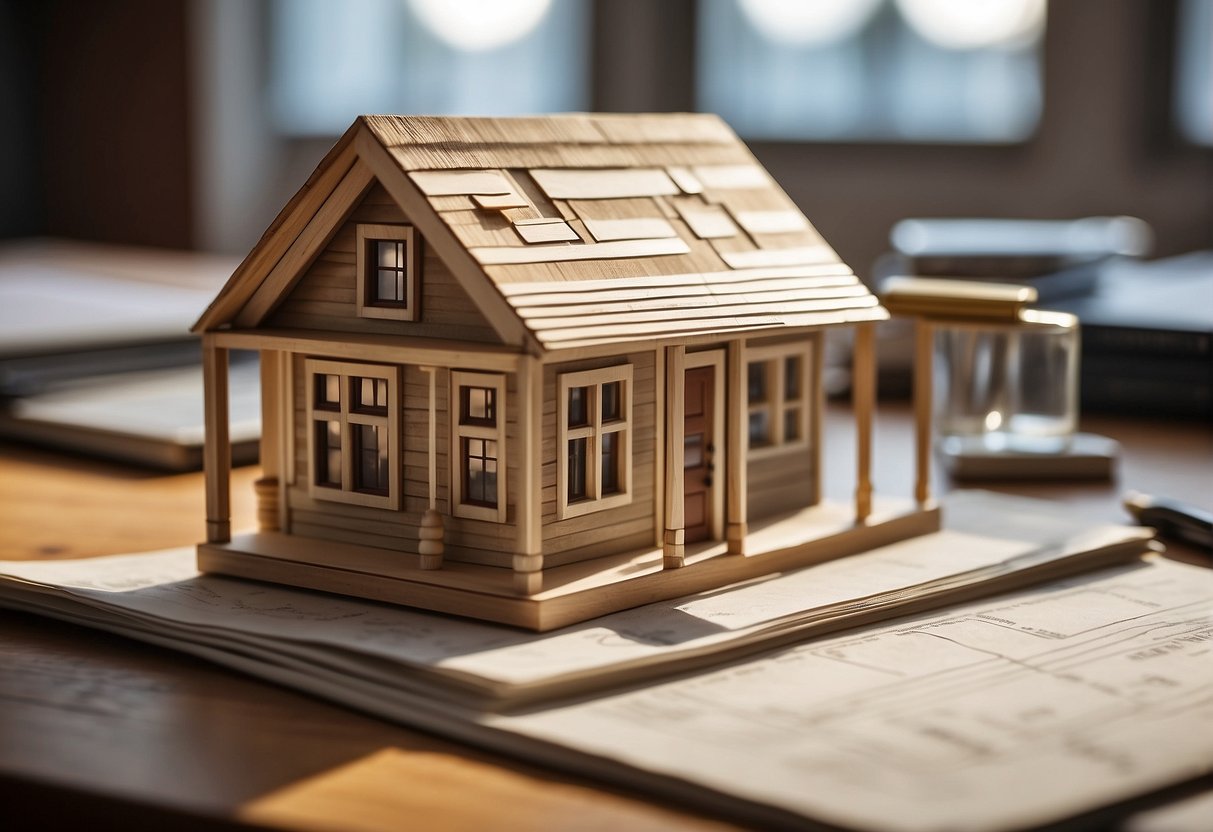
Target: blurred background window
330, 62
1194, 71
883, 70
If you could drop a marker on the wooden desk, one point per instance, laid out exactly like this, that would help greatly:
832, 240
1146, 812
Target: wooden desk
99, 730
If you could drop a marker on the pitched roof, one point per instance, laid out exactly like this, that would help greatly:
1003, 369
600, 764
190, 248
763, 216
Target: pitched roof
591, 229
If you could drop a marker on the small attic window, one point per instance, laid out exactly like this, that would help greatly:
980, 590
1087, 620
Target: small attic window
388, 272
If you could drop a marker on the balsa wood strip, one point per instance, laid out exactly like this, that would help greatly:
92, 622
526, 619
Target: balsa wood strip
732, 177
707, 222
217, 454
708, 307
315, 236
375, 348
640, 228
500, 202
461, 182
664, 128
493, 255
448, 130
604, 184
757, 258
863, 397
787, 288
771, 222
702, 331
526, 157
545, 231
685, 180
790, 300
835, 270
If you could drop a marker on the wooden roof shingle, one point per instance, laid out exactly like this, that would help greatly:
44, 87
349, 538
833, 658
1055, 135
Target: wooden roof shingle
596, 229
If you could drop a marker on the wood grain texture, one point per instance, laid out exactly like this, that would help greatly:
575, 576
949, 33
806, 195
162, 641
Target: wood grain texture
217, 454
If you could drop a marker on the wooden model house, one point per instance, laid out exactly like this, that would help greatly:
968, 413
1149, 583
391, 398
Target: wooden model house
534, 370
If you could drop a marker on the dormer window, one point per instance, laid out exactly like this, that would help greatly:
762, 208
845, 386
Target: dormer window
388, 272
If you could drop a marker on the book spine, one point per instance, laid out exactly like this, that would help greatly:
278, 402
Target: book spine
1120, 340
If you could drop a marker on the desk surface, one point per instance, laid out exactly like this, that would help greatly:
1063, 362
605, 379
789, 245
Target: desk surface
99, 729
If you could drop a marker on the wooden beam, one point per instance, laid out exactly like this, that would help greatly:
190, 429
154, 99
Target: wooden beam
674, 540
737, 436
529, 506
817, 413
377, 348
217, 453
863, 397
923, 348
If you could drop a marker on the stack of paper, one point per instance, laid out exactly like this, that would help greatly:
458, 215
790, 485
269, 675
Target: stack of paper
969, 695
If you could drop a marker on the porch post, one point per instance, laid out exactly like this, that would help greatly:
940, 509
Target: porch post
272, 406
674, 541
431, 533
863, 399
528, 548
217, 453
737, 441
923, 343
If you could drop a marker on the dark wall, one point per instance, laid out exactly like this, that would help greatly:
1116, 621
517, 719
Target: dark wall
97, 120
20, 159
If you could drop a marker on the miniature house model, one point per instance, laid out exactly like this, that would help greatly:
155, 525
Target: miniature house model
534, 370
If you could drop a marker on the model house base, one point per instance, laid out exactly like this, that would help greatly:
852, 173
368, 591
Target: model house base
572, 593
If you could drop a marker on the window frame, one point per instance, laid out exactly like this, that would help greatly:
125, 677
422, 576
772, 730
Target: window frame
592, 433
347, 416
367, 236
774, 356
461, 379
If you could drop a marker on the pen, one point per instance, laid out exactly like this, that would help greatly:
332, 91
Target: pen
1172, 518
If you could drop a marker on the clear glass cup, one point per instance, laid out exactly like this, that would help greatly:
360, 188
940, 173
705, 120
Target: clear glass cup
1007, 386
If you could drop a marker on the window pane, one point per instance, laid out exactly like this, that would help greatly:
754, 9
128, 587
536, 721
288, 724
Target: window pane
389, 286
579, 415
611, 401
370, 394
328, 454
328, 391
370, 459
577, 469
390, 253
479, 406
791, 424
480, 471
791, 378
610, 463
899, 70
329, 62
757, 381
760, 428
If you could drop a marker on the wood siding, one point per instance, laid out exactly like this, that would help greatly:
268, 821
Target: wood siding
613, 530
469, 541
779, 483
324, 297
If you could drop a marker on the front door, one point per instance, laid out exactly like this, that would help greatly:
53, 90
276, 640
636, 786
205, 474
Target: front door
699, 397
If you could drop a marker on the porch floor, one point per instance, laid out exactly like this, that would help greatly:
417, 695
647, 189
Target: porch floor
572, 593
